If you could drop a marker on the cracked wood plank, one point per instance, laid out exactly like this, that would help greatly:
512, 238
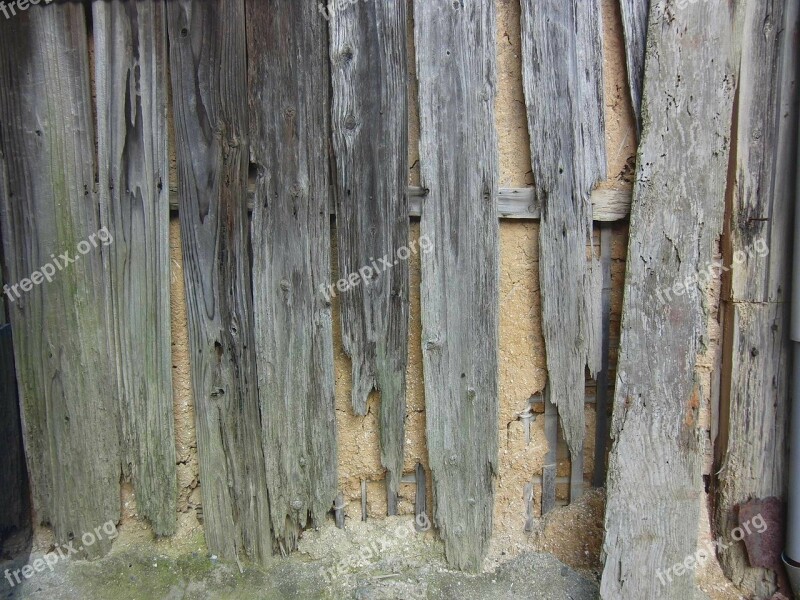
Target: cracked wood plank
289, 100
654, 477
634, 27
64, 367
456, 67
752, 453
562, 77
131, 83
209, 78
370, 140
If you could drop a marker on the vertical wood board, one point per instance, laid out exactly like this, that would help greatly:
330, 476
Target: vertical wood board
654, 478
370, 140
289, 96
131, 83
455, 43
209, 90
49, 208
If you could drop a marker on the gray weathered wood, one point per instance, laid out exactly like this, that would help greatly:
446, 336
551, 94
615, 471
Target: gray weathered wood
370, 139
289, 96
634, 27
601, 396
13, 475
512, 203
562, 78
338, 510
654, 479
455, 44
49, 207
209, 83
133, 165
752, 448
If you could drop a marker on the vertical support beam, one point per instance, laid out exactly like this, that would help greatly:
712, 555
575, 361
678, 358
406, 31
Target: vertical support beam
752, 448
131, 81
654, 477
563, 59
64, 366
456, 67
550, 459
370, 139
209, 79
634, 26
289, 99
601, 398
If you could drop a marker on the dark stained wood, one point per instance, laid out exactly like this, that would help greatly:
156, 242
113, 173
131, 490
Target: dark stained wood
563, 59
634, 27
131, 86
752, 450
209, 91
289, 99
13, 474
654, 483
455, 43
370, 139
65, 372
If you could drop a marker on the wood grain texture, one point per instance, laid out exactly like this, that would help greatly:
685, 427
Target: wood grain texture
654, 479
370, 138
290, 131
13, 475
455, 44
634, 27
562, 79
131, 87
49, 206
209, 79
752, 448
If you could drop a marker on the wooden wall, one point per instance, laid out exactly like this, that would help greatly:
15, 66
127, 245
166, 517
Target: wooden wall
296, 117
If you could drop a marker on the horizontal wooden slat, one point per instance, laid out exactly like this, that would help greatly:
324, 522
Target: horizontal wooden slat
512, 203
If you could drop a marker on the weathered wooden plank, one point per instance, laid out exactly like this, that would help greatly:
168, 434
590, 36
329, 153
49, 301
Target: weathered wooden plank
758, 366
289, 98
49, 208
131, 86
512, 203
563, 59
370, 139
455, 44
209, 79
634, 27
13, 476
752, 448
654, 478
